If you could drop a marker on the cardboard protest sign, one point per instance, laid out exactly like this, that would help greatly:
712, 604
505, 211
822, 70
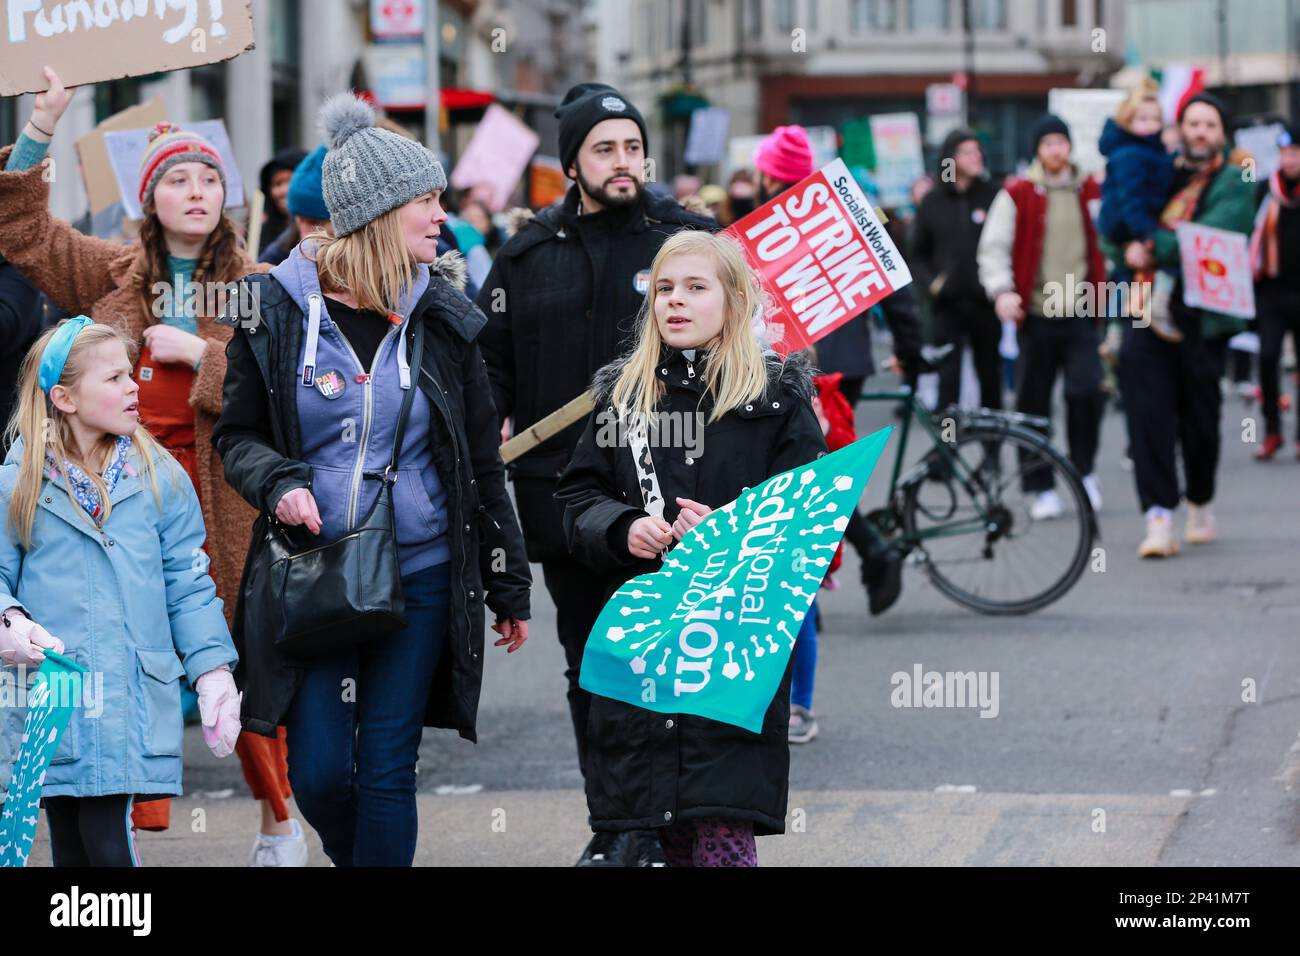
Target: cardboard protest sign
106, 208
126, 146
711, 632
497, 155
822, 257
1216, 270
90, 41
56, 691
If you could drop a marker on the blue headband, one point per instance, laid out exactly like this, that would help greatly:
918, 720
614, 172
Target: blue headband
55, 355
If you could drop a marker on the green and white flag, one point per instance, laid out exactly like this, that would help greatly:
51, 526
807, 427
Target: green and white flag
711, 632
50, 706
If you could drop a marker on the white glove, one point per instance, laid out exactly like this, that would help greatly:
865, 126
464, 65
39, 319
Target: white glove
22, 640
219, 710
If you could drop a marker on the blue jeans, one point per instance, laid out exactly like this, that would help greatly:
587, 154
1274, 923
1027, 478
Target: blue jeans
354, 732
805, 660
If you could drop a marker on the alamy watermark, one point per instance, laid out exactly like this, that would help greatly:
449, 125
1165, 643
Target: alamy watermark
947, 689
684, 430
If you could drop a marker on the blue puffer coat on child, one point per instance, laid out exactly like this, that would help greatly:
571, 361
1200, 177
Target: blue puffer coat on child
134, 604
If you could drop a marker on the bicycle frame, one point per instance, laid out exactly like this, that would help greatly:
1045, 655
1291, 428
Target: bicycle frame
907, 397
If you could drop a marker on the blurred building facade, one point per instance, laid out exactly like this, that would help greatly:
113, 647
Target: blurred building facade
1249, 49
822, 62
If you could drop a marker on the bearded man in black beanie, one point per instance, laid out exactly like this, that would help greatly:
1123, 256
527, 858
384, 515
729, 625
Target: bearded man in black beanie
561, 301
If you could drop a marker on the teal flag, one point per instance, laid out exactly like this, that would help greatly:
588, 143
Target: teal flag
711, 632
54, 693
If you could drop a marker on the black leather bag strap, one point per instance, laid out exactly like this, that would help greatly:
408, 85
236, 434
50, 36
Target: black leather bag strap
417, 354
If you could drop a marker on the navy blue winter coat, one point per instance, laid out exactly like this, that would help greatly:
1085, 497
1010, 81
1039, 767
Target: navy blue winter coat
1139, 179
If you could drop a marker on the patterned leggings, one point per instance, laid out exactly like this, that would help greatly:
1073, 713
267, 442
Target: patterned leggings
709, 842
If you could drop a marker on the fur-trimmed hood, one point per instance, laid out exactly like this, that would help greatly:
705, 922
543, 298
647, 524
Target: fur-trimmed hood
794, 374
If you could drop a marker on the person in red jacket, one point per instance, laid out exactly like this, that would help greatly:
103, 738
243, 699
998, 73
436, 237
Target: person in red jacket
1038, 256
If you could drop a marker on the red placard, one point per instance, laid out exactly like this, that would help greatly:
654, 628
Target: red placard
822, 257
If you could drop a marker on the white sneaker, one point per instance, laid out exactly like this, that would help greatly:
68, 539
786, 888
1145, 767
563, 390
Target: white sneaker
1091, 486
1201, 528
1046, 506
287, 850
1159, 541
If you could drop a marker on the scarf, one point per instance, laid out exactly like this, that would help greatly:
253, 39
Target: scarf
1182, 205
81, 485
1263, 239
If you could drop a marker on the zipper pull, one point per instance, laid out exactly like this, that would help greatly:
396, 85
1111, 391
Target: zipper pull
690, 369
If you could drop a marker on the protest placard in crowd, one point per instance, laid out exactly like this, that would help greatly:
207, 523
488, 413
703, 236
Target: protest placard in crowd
89, 42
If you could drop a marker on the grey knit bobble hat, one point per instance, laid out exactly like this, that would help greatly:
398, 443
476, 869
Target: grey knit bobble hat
369, 171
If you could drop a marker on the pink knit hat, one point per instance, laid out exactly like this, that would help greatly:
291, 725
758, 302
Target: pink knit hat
785, 155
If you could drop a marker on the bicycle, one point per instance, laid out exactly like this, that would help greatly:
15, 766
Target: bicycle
966, 517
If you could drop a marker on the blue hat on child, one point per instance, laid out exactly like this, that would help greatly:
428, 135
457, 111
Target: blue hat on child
305, 196
56, 351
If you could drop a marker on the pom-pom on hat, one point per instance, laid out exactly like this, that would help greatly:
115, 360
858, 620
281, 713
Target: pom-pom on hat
369, 171
170, 145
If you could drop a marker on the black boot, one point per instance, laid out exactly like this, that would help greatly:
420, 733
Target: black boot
882, 575
647, 850
608, 848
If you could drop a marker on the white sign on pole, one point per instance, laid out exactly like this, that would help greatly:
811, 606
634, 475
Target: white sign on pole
396, 18
943, 98
396, 72
1085, 112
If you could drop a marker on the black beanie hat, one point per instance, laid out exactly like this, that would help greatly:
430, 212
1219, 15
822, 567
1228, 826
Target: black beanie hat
954, 139
1209, 99
1050, 123
586, 105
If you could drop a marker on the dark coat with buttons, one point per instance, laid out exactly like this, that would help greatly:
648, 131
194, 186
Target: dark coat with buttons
260, 444
561, 301
646, 769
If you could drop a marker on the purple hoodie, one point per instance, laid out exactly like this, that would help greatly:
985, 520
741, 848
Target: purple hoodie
349, 421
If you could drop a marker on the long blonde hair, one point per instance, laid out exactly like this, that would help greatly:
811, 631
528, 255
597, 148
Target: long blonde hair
735, 372
44, 428
371, 264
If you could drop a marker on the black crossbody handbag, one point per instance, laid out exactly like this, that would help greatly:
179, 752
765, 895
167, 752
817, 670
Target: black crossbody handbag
321, 599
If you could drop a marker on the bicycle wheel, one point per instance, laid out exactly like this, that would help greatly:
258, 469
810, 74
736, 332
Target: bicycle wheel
973, 526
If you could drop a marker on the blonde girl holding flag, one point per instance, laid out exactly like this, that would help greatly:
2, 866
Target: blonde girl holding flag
697, 371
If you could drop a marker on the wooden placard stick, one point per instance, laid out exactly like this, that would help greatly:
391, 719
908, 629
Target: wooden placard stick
554, 423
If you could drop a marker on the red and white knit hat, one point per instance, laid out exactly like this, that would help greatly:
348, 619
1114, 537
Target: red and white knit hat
170, 145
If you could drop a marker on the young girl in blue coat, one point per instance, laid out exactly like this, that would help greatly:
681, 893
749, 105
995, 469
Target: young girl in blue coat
101, 559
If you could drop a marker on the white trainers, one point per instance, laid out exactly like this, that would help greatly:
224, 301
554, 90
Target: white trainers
1200, 528
287, 850
1159, 542
1093, 488
1046, 506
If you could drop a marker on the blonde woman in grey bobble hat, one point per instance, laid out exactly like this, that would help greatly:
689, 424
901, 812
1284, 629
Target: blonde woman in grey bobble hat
312, 400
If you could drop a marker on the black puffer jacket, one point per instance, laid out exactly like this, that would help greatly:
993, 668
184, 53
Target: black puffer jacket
943, 240
561, 301
647, 769
260, 444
